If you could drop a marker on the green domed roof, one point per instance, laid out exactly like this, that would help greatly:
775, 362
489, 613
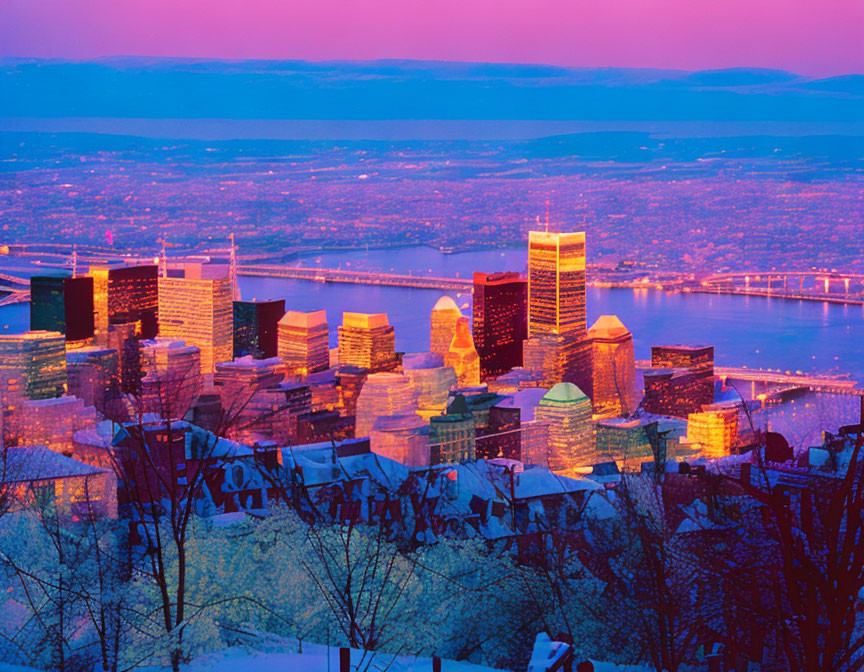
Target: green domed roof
564, 392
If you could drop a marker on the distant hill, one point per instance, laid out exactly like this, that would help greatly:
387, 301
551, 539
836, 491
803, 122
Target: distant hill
397, 89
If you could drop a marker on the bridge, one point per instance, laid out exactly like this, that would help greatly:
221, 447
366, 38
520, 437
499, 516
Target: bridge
815, 383
811, 285
358, 277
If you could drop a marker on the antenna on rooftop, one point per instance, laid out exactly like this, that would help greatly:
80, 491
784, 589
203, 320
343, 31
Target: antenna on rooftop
164, 260
75, 260
547, 215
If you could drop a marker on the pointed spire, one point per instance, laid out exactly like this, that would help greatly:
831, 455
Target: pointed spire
235, 290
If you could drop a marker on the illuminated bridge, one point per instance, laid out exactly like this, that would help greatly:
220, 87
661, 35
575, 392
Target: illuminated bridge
813, 285
359, 277
816, 383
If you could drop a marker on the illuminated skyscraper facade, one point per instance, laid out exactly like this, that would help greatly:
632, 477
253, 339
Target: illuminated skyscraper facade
63, 304
680, 380
368, 341
556, 283
442, 325
33, 364
462, 356
567, 411
200, 312
614, 367
383, 394
256, 328
126, 294
304, 342
715, 431
500, 321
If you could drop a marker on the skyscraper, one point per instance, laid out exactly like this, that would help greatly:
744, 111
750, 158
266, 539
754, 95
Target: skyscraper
255, 328
556, 307
556, 283
442, 325
614, 367
126, 294
383, 394
200, 312
64, 304
33, 364
462, 356
368, 341
567, 411
680, 380
500, 321
304, 342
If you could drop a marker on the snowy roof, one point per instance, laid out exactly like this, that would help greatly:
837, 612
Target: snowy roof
37, 463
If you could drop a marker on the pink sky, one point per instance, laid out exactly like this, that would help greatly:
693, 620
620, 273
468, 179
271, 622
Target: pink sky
814, 37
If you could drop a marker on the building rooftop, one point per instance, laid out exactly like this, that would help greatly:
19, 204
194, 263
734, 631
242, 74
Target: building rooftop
446, 303
295, 318
608, 326
364, 320
563, 392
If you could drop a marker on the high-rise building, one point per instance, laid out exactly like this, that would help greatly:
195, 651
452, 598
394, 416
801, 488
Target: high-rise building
126, 294
200, 312
383, 394
680, 380
453, 435
368, 341
93, 375
714, 430
462, 356
304, 342
623, 440
442, 325
33, 364
614, 367
432, 380
556, 283
64, 304
500, 321
556, 309
567, 411
255, 328
170, 376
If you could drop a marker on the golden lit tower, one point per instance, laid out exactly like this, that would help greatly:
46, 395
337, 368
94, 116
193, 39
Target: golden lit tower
443, 320
462, 356
304, 341
572, 441
614, 367
199, 310
368, 341
556, 283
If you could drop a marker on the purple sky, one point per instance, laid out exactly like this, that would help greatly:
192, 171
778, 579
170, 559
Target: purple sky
814, 37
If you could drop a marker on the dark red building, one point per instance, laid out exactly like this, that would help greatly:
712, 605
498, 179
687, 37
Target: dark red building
500, 321
255, 327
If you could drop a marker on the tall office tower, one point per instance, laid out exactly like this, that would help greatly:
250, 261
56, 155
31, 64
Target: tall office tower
432, 380
126, 294
304, 342
462, 356
256, 328
33, 364
453, 435
714, 430
171, 379
680, 380
501, 438
556, 306
93, 375
64, 304
200, 312
383, 394
571, 431
556, 283
245, 387
500, 321
404, 438
368, 341
614, 366
443, 320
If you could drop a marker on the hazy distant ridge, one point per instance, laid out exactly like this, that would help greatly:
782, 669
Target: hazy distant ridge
188, 88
